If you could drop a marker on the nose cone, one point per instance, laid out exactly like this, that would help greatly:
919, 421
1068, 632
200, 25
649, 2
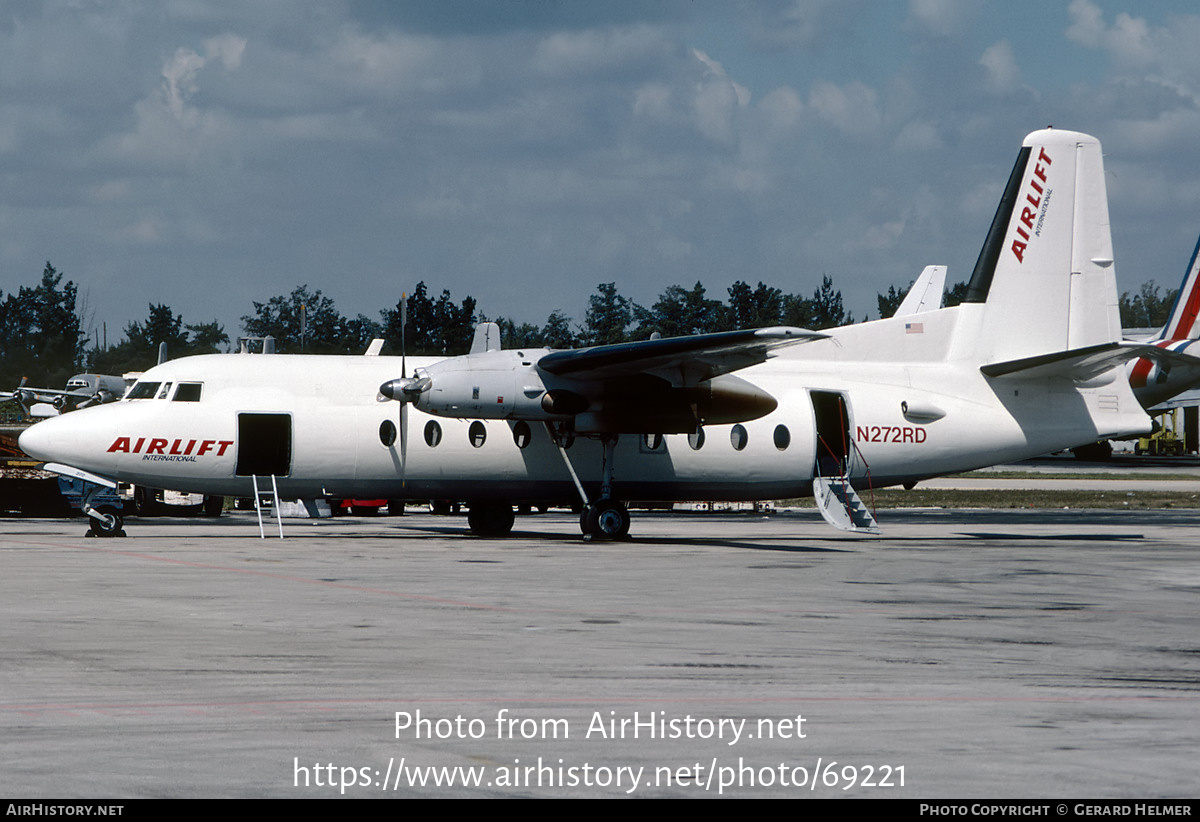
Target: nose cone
38, 442
57, 439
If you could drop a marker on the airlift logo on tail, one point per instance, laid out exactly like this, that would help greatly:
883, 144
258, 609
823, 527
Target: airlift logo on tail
156, 448
1037, 204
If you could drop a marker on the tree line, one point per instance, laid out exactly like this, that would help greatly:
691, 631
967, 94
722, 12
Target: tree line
42, 334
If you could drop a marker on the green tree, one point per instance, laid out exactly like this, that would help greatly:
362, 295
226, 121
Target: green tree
433, 328
760, 308
1149, 308
307, 321
40, 334
608, 316
955, 294
827, 309
207, 338
139, 350
681, 313
557, 332
889, 302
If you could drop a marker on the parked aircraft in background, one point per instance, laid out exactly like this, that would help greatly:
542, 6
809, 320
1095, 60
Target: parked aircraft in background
926, 292
1157, 381
81, 391
1031, 362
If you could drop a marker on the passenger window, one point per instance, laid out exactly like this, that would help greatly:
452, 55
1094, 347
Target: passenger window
477, 433
696, 439
187, 392
738, 437
651, 442
433, 434
387, 432
522, 436
783, 437
143, 391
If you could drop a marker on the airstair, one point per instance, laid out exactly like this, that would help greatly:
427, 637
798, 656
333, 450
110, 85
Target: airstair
836, 498
840, 505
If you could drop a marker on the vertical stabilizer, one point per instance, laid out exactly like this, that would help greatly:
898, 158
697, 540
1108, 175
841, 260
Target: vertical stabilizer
1046, 270
926, 292
1182, 323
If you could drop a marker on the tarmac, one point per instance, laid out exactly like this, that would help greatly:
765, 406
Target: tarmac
978, 654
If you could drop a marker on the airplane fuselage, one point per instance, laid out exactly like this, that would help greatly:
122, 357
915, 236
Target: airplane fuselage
207, 424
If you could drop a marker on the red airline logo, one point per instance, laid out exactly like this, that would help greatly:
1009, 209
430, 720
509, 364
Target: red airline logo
158, 445
1029, 213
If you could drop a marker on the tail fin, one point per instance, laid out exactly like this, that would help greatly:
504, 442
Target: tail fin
926, 292
1045, 273
1182, 323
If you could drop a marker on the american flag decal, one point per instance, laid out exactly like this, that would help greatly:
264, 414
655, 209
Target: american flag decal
914, 328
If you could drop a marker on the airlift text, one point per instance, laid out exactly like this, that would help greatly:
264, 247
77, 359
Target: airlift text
1028, 213
122, 445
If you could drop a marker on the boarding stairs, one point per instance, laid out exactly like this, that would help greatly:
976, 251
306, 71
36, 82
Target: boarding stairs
837, 500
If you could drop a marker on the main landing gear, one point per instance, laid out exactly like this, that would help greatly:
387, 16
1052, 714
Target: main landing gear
490, 519
606, 518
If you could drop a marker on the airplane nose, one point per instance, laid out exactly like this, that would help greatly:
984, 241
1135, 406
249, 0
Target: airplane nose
37, 442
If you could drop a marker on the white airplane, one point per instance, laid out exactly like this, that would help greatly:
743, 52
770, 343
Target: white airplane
1032, 362
926, 292
1157, 381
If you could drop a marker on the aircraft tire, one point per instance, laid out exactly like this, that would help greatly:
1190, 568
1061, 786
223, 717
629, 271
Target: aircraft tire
491, 519
144, 504
213, 506
109, 525
607, 519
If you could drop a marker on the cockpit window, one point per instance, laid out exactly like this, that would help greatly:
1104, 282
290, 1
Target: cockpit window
166, 389
188, 392
143, 391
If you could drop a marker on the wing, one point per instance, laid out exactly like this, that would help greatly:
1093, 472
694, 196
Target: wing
660, 386
681, 361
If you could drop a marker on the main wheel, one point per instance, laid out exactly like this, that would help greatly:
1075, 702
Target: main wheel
607, 519
491, 519
108, 524
144, 504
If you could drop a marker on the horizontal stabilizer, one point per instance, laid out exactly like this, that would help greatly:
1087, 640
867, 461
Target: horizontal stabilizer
1080, 364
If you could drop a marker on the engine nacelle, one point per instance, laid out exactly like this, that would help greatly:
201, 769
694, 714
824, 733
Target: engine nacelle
490, 385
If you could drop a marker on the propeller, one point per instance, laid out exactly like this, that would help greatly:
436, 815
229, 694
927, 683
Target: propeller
401, 389
403, 376
22, 397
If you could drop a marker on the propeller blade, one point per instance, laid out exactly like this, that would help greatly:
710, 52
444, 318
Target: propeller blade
403, 442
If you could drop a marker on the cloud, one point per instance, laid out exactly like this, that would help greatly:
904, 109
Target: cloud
1134, 43
941, 18
852, 108
179, 73
1001, 66
799, 23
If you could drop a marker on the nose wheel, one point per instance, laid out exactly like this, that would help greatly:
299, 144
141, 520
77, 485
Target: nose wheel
605, 519
105, 522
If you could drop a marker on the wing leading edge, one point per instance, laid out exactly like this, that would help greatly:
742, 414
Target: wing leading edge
682, 361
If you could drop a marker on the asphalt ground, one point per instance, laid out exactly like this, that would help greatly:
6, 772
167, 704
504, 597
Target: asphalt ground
999, 654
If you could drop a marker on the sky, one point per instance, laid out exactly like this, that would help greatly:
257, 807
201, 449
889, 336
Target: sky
205, 154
